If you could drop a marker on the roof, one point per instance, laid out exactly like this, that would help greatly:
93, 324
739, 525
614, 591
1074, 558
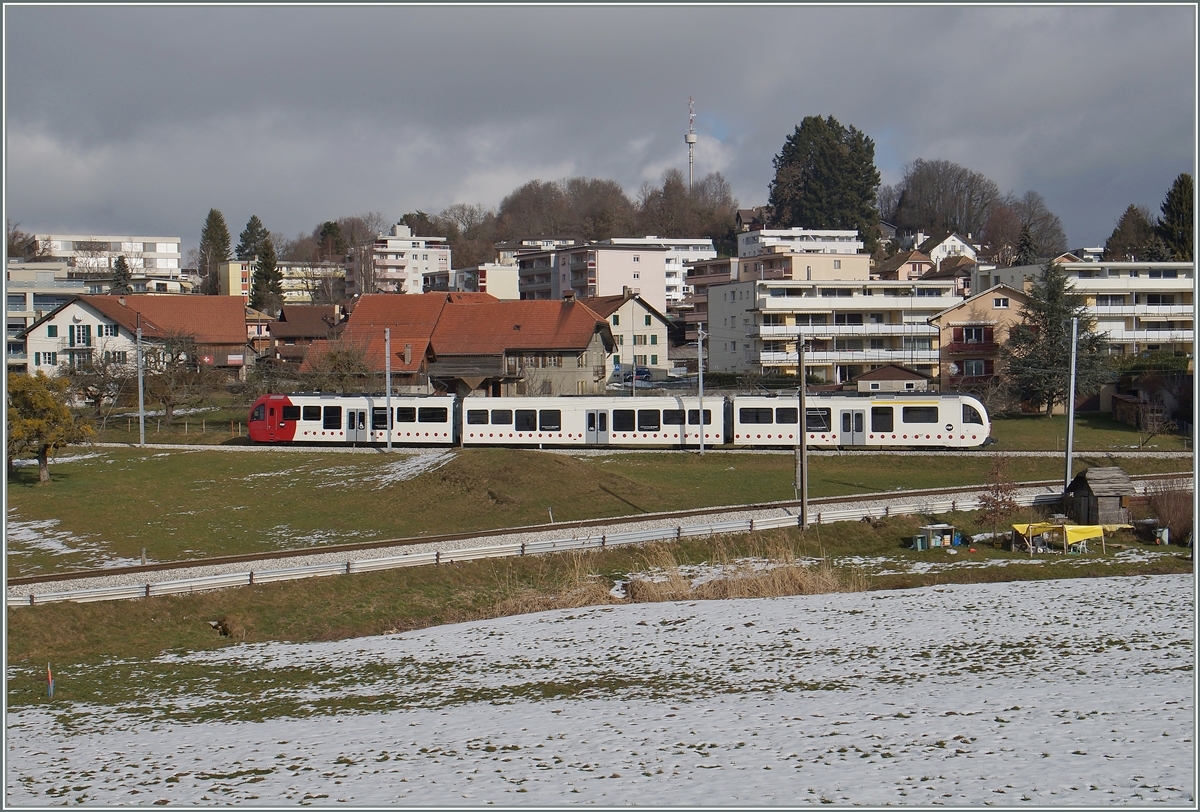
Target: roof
605, 306
207, 319
893, 263
891, 372
1006, 289
410, 317
1108, 481
498, 327
951, 268
305, 321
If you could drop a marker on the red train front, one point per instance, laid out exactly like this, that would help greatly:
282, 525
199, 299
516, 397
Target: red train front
273, 419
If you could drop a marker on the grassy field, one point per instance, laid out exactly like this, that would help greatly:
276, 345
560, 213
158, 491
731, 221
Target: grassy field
109, 654
107, 505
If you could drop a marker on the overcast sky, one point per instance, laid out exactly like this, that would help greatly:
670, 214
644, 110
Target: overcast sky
138, 120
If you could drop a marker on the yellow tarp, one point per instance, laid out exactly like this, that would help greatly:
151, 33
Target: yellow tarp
1074, 532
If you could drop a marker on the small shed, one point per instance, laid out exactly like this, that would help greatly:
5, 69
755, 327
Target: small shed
1099, 496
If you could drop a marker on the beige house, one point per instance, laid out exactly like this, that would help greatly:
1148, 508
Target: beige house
639, 330
780, 262
971, 334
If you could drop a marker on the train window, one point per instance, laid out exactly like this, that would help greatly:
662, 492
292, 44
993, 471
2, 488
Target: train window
648, 420
672, 417
787, 415
502, 417
591, 421
920, 414
622, 419
259, 412
882, 419
526, 420
291, 412
333, 417
817, 420
432, 414
406, 414
694, 417
754, 415
379, 418
971, 414
550, 420
312, 412
477, 417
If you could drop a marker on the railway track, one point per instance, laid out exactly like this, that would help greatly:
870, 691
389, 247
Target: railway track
814, 506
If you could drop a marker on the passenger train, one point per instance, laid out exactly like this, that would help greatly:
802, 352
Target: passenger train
840, 420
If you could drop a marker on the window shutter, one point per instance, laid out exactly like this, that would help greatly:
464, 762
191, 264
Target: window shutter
989, 367
87, 335
70, 335
989, 334
958, 334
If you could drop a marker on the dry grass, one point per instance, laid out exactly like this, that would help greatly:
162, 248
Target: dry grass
1172, 503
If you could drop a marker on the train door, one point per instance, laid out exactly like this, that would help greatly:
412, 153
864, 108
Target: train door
356, 426
854, 427
597, 427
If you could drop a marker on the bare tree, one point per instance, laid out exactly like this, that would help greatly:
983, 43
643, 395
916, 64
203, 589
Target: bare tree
998, 502
176, 375
339, 364
102, 378
943, 196
1045, 228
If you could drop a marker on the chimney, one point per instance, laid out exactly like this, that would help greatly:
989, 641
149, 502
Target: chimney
121, 300
408, 353
569, 297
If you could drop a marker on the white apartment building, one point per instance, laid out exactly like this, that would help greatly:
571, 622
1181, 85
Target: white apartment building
1142, 306
680, 252
399, 262
501, 281
312, 282
595, 269
90, 255
799, 241
507, 252
850, 326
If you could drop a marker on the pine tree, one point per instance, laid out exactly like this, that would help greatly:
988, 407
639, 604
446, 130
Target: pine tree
121, 283
825, 177
251, 239
1176, 227
1037, 354
1133, 233
214, 249
266, 293
1026, 251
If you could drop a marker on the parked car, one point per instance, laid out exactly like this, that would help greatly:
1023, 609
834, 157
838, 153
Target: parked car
642, 374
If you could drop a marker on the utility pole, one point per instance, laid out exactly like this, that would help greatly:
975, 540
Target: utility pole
700, 369
141, 388
387, 375
801, 432
1071, 403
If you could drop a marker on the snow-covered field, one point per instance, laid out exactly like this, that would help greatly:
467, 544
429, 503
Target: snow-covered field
1028, 693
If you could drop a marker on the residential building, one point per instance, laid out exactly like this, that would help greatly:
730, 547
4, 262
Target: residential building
235, 279
298, 326
1141, 306
258, 331
595, 269
507, 252
911, 264
799, 241
86, 327
501, 281
971, 333
312, 282
397, 263
946, 245
474, 344
92, 256
781, 262
850, 326
889, 378
699, 276
680, 252
640, 332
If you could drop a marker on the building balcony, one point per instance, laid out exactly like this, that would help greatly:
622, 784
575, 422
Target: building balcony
1123, 336
1145, 311
17, 355
972, 348
1123, 284
831, 330
826, 357
964, 381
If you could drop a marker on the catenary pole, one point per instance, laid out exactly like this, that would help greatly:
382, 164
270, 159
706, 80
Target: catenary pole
700, 370
387, 382
141, 387
802, 432
1071, 404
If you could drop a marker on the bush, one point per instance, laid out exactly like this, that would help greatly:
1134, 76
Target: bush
1171, 502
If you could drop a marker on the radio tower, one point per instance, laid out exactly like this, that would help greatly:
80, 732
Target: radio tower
690, 139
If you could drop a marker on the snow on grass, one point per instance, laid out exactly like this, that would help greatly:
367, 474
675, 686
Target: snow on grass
23, 539
1026, 693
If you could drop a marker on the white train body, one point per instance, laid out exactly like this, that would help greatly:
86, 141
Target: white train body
885, 420
901, 420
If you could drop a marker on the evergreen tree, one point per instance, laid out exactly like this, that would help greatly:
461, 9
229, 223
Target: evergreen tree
1129, 239
266, 293
825, 177
1037, 354
1176, 226
1026, 251
251, 239
331, 240
121, 283
214, 249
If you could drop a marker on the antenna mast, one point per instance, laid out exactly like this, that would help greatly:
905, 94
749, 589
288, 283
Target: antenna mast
690, 139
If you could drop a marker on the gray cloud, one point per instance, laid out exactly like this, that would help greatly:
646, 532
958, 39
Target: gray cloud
139, 119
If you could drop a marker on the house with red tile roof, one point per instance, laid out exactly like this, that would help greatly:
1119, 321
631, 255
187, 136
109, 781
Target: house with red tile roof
90, 327
641, 332
472, 343
298, 326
